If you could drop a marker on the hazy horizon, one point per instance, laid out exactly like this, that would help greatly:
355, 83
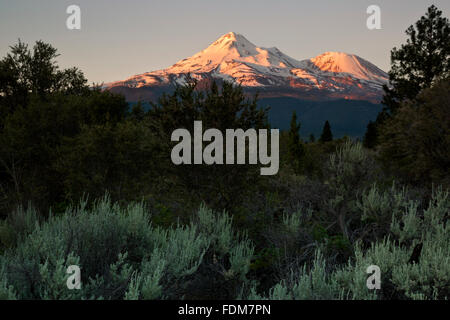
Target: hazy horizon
119, 39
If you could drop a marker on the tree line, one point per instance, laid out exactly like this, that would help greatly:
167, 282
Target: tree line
85, 178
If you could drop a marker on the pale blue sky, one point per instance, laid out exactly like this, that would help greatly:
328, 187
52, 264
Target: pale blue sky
121, 38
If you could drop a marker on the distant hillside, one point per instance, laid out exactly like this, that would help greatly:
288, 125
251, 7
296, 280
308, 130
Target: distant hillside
347, 117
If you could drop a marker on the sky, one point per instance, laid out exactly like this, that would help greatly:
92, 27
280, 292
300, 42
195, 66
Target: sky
121, 38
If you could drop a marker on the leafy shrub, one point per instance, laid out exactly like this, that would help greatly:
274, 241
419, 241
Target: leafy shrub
415, 140
350, 168
305, 284
18, 224
121, 255
6, 291
407, 273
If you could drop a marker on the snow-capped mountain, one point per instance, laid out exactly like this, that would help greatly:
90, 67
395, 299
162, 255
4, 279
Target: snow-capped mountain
232, 57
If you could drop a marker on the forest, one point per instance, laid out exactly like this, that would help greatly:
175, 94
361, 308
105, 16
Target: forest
88, 180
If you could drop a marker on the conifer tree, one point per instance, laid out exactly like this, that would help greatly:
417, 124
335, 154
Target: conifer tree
327, 135
420, 63
295, 146
417, 65
370, 138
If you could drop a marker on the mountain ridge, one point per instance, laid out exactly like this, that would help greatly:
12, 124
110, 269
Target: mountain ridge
329, 76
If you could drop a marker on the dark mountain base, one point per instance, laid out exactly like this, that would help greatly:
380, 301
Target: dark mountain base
347, 117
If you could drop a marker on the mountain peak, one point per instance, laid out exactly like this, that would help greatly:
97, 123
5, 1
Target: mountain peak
234, 58
341, 62
233, 40
229, 49
229, 36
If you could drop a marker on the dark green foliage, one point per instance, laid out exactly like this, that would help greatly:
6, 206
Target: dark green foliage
25, 73
413, 130
410, 228
33, 140
417, 65
350, 168
220, 108
415, 142
137, 112
220, 186
309, 232
295, 146
300, 225
117, 158
326, 135
370, 137
422, 61
33, 117
46, 116
122, 256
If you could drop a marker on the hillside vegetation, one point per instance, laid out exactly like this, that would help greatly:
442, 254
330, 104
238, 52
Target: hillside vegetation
87, 181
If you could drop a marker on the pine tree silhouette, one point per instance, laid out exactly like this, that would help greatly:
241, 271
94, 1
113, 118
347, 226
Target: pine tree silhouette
327, 135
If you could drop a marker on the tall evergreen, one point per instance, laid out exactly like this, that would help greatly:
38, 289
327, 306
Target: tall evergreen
327, 135
421, 62
295, 146
370, 138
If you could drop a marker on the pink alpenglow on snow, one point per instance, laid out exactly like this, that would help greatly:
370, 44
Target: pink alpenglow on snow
232, 57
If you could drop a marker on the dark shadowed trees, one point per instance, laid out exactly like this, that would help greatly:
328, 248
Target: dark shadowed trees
415, 141
420, 63
326, 135
296, 149
221, 108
